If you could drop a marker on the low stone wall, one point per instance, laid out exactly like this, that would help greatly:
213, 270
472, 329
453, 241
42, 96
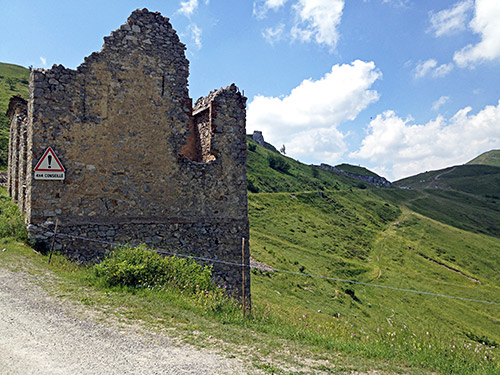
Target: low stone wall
206, 238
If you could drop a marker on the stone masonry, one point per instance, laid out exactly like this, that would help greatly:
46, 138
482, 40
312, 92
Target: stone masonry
142, 165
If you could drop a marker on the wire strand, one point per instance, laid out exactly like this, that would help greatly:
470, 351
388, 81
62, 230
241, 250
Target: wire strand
266, 269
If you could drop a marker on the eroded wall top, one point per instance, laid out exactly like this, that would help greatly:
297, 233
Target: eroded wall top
122, 126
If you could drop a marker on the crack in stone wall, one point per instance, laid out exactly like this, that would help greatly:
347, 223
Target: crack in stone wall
142, 166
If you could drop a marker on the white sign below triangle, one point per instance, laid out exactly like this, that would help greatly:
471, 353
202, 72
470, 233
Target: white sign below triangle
49, 167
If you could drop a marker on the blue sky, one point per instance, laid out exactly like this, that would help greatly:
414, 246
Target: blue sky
398, 86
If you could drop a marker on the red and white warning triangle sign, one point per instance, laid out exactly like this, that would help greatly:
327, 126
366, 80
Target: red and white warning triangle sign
49, 167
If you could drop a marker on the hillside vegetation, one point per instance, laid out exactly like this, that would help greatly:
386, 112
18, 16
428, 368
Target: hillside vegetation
439, 241
13, 81
488, 158
270, 172
357, 170
465, 196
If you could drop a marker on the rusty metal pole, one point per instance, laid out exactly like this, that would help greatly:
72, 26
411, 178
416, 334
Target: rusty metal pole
243, 276
53, 241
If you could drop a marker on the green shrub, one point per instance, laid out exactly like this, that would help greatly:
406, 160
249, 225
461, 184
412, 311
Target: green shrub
252, 147
141, 268
278, 163
251, 186
361, 185
11, 221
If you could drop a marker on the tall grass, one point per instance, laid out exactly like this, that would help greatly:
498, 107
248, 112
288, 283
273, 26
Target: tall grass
11, 221
142, 268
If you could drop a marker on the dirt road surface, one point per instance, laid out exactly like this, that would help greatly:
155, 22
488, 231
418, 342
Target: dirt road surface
41, 335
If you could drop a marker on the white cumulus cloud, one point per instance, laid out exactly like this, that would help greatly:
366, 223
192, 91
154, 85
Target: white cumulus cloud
486, 23
441, 101
452, 20
401, 148
318, 20
442, 70
43, 60
195, 35
431, 67
423, 68
188, 7
305, 20
261, 7
306, 120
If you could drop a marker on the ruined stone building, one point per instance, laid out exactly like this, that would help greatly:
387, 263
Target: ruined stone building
133, 161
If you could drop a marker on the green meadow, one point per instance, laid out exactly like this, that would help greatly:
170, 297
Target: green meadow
13, 81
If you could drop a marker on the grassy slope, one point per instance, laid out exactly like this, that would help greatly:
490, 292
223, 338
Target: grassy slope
300, 177
347, 238
351, 233
359, 329
360, 171
466, 196
488, 158
475, 179
13, 81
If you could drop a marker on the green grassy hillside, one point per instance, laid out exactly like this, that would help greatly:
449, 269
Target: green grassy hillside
481, 180
289, 175
354, 235
421, 239
13, 81
488, 158
357, 170
466, 196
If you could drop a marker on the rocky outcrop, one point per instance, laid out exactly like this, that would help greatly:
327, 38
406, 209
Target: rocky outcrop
375, 181
258, 137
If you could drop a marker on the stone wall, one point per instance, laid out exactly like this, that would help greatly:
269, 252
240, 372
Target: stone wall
17, 111
141, 165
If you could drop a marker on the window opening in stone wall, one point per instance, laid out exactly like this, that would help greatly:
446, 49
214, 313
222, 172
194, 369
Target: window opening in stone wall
204, 126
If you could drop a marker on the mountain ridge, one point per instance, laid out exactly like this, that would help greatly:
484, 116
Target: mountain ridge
491, 158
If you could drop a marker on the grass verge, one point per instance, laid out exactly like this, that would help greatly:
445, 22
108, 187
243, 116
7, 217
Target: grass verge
274, 344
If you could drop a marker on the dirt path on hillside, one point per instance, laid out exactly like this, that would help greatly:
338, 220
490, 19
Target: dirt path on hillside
435, 179
40, 335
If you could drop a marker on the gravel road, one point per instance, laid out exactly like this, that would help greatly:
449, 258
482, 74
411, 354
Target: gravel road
40, 335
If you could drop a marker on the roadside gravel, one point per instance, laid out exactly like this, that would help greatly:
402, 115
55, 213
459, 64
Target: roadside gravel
41, 335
